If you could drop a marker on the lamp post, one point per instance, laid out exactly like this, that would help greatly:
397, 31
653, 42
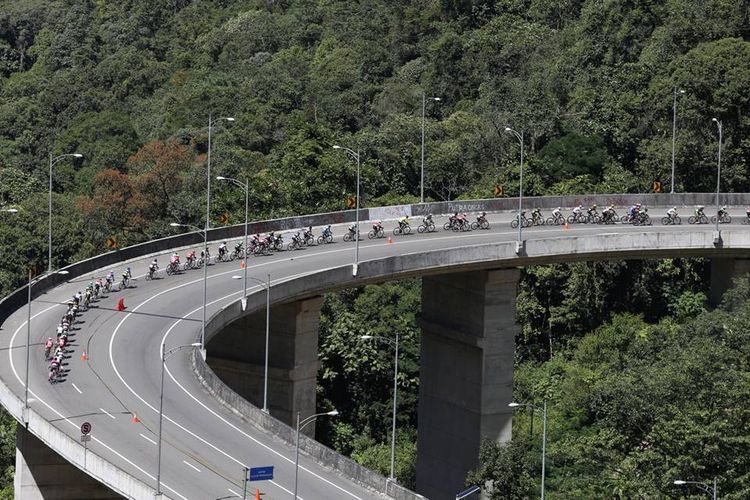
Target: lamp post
395, 395
356, 215
300, 426
718, 176
708, 488
164, 357
32, 282
675, 94
421, 182
519, 136
205, 281
544, 433
52, 162
246, 187
267, 286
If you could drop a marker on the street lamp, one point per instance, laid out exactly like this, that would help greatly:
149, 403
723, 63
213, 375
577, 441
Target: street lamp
246, 187
544, 432
676, 93
300, 426
708, 488
164, 357
32, 282
718, 177
205, 281
421, 182
52, 162
395, 393
267, 286
519, 136
211, 123
356, 235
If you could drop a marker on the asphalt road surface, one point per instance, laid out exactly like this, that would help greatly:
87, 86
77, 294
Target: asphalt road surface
205, 446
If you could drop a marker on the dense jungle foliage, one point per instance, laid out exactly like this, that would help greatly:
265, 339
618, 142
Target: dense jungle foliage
130, 85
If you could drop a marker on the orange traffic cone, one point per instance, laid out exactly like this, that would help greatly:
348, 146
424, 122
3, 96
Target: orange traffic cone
258, 494
84, 356
566, 227
121, 304
135, 418
390, 240
242, 264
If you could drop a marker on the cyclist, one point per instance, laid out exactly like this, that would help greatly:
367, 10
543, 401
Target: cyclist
403, 222
557, 214
190, 257
672, 213
592, 210
699, 211
536, 215
480, 218
48, 347
352, 229
223, 248
125, 277
377, 225
632, 211
238, 248
722, 211
174, 260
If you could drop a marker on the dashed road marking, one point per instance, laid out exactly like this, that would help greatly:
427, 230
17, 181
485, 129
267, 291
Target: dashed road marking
191, 466
148, 439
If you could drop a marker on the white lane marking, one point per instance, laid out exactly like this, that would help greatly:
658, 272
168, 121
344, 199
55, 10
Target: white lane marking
76, 388
18, 378
234, 493
117, 372
148, 439
107, 413
66, 419
191, 466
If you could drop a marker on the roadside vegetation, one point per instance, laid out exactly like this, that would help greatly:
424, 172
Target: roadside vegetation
591, 83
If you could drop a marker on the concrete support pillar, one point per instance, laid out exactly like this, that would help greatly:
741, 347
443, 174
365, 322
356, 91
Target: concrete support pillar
43, 474
466, 374
723, 273
237, 356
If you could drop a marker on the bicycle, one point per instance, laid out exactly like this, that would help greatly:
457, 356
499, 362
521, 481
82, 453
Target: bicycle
557, 219
402, 229
376, 233
325, 238
525, 221
724, 218
350, 236
426, 227
172, 268
480, 223
671, 220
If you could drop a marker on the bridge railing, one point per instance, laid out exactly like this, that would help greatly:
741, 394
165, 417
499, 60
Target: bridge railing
17, 298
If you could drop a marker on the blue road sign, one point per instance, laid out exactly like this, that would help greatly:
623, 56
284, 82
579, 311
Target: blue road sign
261, 473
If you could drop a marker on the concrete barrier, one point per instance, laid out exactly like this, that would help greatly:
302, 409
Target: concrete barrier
400, 266
265, 422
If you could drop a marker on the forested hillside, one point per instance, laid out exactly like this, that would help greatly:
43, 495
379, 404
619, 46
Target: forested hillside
130, 85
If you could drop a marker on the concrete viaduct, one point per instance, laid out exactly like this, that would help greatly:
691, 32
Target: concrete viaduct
468, 330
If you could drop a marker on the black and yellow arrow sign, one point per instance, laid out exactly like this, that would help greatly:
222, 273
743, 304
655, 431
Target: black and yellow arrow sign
224, 218
656, 187
351, 201
497, 190
111, 242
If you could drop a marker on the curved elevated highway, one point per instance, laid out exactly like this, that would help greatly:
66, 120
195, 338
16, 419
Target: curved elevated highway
206, 443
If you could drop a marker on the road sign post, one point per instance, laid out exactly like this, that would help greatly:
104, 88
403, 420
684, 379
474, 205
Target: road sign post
85, 428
